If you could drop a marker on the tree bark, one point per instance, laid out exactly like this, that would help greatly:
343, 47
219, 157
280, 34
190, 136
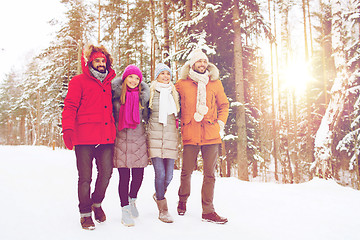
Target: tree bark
152, 29
239, 88
99, 23
188, 9
166, 47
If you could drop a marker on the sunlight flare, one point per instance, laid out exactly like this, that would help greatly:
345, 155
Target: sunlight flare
297, 76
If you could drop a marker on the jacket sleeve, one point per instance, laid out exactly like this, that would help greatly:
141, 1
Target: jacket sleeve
71, 104
144, 94
178, 89
144, 98
222, 103
115, 91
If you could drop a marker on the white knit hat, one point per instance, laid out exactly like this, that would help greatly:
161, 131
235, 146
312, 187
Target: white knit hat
196, 55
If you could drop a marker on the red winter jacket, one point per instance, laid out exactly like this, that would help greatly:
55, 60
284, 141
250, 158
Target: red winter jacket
88, 108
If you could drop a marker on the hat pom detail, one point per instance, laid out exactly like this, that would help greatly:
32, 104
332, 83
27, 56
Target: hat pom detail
203, 110
198, 117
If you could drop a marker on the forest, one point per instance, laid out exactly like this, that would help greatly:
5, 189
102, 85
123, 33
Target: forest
290, 69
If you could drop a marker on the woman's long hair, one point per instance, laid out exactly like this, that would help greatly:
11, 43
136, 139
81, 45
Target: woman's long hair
123, 92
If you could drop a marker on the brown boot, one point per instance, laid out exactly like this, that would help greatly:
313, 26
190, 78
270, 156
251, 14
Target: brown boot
163, 211
99, 213
87, 223
181, 209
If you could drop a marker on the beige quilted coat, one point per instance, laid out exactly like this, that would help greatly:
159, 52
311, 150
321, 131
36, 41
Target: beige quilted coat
162, 140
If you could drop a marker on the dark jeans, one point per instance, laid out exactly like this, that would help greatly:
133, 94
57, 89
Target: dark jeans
163, 168
209, 154
137, 175
85, 154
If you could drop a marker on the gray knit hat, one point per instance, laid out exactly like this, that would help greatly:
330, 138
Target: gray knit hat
160, 68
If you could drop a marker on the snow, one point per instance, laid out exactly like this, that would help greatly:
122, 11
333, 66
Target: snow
39, 201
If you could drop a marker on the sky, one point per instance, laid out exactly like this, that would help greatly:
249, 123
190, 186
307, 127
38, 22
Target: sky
38, 189
25, 30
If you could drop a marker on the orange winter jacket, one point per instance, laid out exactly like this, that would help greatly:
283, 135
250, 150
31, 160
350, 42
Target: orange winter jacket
207, 131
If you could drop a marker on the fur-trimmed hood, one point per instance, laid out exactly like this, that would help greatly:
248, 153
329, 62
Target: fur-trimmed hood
88, 50
213, 70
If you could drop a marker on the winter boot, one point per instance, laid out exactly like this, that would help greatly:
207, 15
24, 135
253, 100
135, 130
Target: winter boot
133, 209
98, 212
181, 208
87, 222
214, 218
164, 214
126, 216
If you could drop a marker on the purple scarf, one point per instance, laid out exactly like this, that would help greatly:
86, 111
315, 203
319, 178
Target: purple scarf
129, 112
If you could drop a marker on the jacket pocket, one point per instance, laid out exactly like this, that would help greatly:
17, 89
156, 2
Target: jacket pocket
211, 130
187, 128
89, 118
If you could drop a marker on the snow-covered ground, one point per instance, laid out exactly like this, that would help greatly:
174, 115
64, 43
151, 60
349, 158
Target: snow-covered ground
38, 199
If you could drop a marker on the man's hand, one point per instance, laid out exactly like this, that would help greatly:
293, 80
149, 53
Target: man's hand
222, 129
68, 135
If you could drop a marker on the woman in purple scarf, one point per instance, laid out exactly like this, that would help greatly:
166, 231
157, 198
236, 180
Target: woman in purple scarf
130, 99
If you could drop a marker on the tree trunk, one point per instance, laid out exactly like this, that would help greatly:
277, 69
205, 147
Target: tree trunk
310, 28
38, 118
79, 70
309, 143
239, 89
166, 47
273, 105
175, 45
188, 9
152, 29
99, 23
127, 32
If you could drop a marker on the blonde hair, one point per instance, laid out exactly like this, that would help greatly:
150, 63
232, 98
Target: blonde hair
123, 92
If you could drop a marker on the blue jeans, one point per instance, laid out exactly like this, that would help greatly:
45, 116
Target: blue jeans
164, 168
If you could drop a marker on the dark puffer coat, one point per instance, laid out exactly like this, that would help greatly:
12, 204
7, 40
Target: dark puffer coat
130, 144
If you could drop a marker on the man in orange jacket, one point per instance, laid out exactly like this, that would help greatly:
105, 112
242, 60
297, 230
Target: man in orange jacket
204, 112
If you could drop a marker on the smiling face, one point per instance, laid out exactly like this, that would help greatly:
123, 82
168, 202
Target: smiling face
132, 81
200, 66
99, 64
164, 77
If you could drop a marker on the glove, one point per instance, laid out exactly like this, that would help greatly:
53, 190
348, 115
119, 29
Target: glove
222, 128
68, 135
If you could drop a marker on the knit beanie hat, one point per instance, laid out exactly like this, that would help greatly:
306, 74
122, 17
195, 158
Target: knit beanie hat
160, 68
132, 69
97, 55
196, 55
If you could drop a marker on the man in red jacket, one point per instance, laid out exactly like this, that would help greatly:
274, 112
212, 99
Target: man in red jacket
88, 124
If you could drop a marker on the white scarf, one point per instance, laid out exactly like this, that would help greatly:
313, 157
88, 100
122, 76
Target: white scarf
167, 104
202, 80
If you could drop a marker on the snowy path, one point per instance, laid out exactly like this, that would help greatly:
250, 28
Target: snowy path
39, 201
